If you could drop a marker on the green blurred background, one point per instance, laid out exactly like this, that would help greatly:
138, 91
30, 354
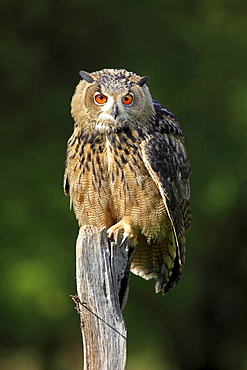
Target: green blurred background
195, 53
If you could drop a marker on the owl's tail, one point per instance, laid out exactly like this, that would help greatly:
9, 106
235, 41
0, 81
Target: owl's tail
158, 260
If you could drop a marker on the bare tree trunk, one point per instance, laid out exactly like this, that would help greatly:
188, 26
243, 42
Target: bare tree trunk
102, 274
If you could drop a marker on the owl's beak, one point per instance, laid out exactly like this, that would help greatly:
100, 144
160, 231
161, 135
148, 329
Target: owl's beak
115, 110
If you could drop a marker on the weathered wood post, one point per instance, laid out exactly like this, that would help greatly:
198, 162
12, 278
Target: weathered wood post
102, 274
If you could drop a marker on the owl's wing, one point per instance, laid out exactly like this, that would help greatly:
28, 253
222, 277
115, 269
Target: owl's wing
166, 160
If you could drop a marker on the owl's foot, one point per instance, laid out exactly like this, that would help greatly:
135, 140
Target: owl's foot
128, 231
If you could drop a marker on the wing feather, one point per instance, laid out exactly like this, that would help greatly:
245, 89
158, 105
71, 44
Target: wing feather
166, 160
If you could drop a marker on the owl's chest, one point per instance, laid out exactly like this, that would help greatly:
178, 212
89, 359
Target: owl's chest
116, 168
109, 180
111, 168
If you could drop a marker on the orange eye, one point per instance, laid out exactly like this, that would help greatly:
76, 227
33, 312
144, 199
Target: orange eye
127, 99
100, 99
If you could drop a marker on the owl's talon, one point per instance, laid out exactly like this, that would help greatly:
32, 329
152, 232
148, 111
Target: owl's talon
128, 232
111, 231
125, 237
110, 234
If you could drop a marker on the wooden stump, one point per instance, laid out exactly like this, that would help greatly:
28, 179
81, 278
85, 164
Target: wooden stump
102, 274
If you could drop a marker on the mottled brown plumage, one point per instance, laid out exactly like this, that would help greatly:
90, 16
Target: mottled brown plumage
126, 168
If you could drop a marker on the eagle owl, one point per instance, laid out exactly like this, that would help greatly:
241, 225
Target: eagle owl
127, 168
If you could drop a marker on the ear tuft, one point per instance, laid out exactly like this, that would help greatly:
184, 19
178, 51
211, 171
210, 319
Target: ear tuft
142, 81
86, 76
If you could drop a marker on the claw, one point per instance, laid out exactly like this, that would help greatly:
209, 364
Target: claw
110, 233
125, 237
128, 232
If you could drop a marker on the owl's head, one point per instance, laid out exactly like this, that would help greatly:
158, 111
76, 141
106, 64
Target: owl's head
109, 99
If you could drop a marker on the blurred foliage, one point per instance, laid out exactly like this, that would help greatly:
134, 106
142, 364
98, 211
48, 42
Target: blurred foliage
195, 53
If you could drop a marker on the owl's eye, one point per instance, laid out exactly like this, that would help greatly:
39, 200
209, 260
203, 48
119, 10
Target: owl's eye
127, 99
100, 99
